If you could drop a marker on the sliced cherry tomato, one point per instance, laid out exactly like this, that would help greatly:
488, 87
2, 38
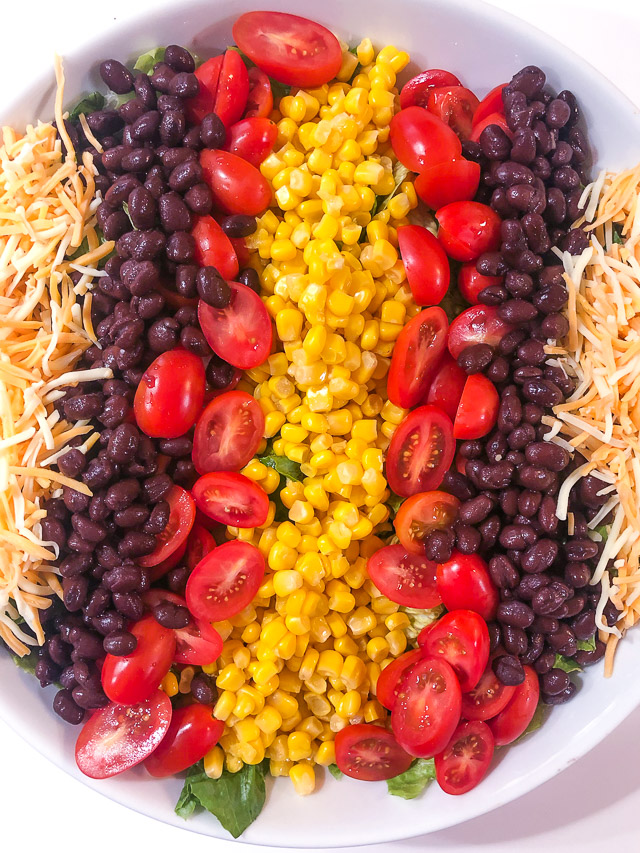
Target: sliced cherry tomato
455, 106
293, 50
494, 118
491, 103
192, 733
170, 394
226, 581
389, 678
416, 353
421, 140
478, 409
228, 433
467, 229
465, 584
182, 514
446, 386
132, 678
241, 333
252, 139
236, 185
213, 247
462, 638
174, 299
425, 262
513, 720
118, 737
198, 643
480, 324
161, 569
427, 708
487, 698
471, 282
416, 92
465, 760
260, 100
422, 513
232, 499
199, 544
406, 578
240, 248
453, 180
421, 452
208, 75
370, 753
233, 89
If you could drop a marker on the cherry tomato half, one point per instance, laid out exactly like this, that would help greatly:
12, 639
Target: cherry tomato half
462, 638
208, 76
453, 180
231, 498
291, 49
422, 513
132, 678
252, 139
467, 229
223, 89
241, 333
236, 185
198, 643
370, 753
213, 247
513, 720
193, 731
427, 708
260, 100
455, 106
491, 103
118, 737
446, 386
416, 353
199, 544
465, 584
421, 452
487, 698
420, 139
480, 324
405, 578
226, 581
425, 262
182, 514
478, 409
416, 92
161, 569
471, 282
495, 118
465, 760
228, 433
170, 394
389, 678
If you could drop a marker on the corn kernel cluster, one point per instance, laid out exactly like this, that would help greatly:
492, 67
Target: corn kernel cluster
302, 661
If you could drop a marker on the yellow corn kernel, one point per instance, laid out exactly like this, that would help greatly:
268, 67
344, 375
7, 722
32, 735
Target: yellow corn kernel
225, 705
340, 422
304, 779
246, 730
350, 704
373, 711
346, 646
273, 423
308, 664
169, 684
353, 672
326, 753
327, 228
319, 161
268, 720
242, 655
298, 746
399, 206
341, 599
214, 763
330, 663
230, 678
397, 621
377, 649
285, 582
285, 704
337, 625
361, 621
289, 324
287, 199
397, 641
365, 52
283, 250
281, 556
255, 470
366, 430
368, 173
301, 512
311, 568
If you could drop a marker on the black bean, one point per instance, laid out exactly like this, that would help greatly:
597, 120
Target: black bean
555, 681
123, 443
178, 58
586, 657
494, 142
155, 488
180, 247
458, 485
186, 175
475, 358
117, 76
202, 689
239, 225
120, 643
438, 545
149, 306
212, 288
518, 284
90, 530
529, 81
192, 339
468, 539
105, 623
548, 455
515, 640
498, 370
516, 537
132, 516
492, 264
515, 613
174, 214
199, 199
171, 615
511, 341
212, 131
508, 670
495, 294
89, 698
129, 605
136, 544
65, 706
581, 549
163, 334
158, 519
177, 579
547, 517
161, 77
176, 447
503, 572
523, 148
577, 575
75, 590
476, 509
139, 159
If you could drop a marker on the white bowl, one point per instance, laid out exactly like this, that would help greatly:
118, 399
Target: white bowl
483, 47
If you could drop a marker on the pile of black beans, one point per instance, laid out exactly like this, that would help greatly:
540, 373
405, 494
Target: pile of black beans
152, 188
508, 495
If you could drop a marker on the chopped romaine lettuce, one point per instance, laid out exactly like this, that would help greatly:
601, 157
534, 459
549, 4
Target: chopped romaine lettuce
413, 781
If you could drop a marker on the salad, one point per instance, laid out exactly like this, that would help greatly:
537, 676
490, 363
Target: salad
320, 411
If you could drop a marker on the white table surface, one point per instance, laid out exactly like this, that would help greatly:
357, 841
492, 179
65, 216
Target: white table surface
594, 805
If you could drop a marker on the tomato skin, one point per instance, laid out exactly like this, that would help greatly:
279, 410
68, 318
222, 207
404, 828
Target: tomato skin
405, 578
446, 386
170, 394
488, 698
425, 262
427, 708
467, 229
370, 753
228, 433
465, 761
389, 678
233, 88
231, 498
198, 643
480, 324
478, 410
513, 720
490, 104
293, 50
192, 733
208, 75
494, 118
225, 582
417, 351
118, 737
236, 185
421, 452
260, 100
453, 180
132, 678
462, 638
422, 513
213, 247
471, 283
420, 140
199, 544
252, 139
182, 514
161, 569
465, 584
416, 92
455, 106
241, 333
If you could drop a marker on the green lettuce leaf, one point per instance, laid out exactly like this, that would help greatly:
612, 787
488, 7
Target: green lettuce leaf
89, 104
413, 781
419, 619
27, 663
335, 771
400, 175
285, 467
394, 503
603, 530
566, 664
587, 645
617, 236
146, 61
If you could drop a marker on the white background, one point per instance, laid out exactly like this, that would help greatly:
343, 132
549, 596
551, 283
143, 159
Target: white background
591, 806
